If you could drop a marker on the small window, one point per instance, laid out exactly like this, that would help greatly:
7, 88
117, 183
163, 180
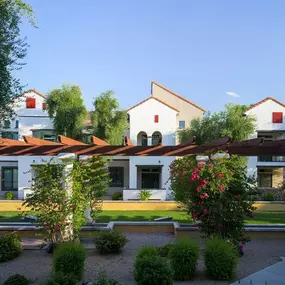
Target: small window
181, 124
17, 124
117, 176
7, 124
31, 103
156, 118
9, 135
44, 106
277, 117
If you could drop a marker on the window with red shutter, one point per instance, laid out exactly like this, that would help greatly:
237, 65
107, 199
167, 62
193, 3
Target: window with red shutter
44, 105
156, 118
31, 103
277, 117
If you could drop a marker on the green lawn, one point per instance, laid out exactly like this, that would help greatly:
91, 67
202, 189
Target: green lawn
179, 216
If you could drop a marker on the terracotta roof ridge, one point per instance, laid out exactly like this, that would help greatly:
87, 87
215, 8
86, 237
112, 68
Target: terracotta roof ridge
155, 98
177, 95
35, 91
263, 101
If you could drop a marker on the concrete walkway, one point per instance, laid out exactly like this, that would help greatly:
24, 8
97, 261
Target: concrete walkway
272, 275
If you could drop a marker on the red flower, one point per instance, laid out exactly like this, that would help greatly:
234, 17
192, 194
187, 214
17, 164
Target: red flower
57, 228
220, 175
200, 164
198, 189
204, 195
238, 196
221, 188
210, 165
205, 212
203, 183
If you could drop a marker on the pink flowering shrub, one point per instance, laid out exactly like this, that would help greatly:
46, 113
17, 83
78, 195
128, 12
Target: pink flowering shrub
216, 193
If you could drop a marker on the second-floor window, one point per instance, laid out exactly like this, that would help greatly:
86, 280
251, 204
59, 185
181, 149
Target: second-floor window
181, 124
7, 124
142, 139
30, 103
156, 138
277, 117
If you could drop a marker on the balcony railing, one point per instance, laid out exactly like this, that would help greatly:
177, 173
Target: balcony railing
268, 158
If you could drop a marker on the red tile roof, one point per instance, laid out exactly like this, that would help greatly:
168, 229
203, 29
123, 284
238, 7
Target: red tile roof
263, 101
176, 95
152, 97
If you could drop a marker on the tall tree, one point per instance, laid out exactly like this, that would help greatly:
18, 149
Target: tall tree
13, 49
108, 120
230, 122
66, 107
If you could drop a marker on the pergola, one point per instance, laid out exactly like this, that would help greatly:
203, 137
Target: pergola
38, 147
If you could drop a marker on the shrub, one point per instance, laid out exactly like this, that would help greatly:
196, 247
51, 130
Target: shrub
147, 251
10, 247
117, 196
9, 196
184, 259
220, 259
164, 250
152, 270
69, 259
269, 197
104, 281
64, 279
110, 242
17, 279
144, 195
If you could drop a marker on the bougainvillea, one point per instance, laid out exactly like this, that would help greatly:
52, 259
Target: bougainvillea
55, 208
216, 193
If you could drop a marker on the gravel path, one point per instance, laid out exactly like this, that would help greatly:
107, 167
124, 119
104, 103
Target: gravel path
36, 264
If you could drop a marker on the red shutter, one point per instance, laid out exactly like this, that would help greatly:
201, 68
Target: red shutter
31, 103
277, 117
44, 105
156, 118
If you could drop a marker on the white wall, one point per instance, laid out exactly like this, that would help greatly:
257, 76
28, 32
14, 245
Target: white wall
153, 161
263, 114
24, 167
142, 119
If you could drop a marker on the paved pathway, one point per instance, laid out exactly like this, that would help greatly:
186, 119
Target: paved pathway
34, 243
272, 275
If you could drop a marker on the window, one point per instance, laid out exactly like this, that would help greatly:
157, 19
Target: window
265, 178
7, 124
51, 138
44, 105
9, 135
17, 124
9, 178
117, 176
142, 139
156, 118
277, 117
181, 124
156, 138
30, 103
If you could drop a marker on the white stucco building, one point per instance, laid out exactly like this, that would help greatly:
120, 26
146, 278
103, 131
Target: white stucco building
270, 124
154, 120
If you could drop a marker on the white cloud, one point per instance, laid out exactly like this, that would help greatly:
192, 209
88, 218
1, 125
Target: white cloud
233, 94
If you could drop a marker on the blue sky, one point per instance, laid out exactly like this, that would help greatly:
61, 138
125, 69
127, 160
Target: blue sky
199, 49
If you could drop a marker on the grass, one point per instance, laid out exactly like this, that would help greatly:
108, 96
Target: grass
179, 216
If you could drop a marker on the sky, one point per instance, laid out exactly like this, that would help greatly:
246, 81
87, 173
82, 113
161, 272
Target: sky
200, 49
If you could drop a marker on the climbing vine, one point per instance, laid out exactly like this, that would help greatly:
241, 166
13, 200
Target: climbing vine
57, 210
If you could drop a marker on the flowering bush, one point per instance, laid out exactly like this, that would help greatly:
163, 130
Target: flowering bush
57, 210
216, 193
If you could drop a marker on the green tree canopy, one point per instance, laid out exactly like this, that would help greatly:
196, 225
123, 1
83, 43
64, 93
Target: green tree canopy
66, 107
108, 120
229, 122
13, 50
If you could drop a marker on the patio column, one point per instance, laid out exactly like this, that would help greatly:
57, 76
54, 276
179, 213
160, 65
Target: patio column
67, 159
